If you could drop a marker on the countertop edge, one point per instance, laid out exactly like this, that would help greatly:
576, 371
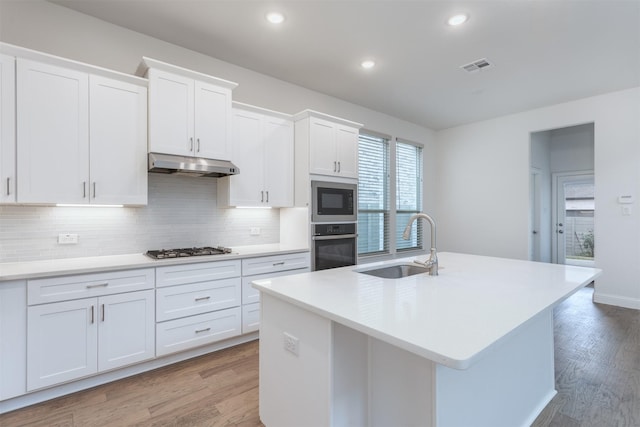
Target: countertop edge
68, 266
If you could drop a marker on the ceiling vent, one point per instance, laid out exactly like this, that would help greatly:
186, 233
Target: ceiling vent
476, 65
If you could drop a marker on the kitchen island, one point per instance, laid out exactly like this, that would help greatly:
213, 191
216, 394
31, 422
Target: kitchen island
472, 346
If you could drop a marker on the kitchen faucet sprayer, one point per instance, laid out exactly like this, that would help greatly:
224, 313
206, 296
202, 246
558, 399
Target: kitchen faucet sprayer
432, 262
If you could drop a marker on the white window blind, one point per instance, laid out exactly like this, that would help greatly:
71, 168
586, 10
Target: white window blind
408, 194
373, 195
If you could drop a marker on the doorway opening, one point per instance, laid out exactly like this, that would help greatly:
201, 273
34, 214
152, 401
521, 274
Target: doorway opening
573, 199
562, 196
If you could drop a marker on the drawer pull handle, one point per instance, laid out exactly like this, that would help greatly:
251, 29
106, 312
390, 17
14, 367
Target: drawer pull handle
278, 263
198, 331
98, 285
202, 298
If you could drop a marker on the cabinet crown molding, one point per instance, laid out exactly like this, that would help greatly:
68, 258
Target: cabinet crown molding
312, 113
148, 63
21, 52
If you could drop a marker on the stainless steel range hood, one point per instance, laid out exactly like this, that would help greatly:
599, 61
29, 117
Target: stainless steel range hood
192, 166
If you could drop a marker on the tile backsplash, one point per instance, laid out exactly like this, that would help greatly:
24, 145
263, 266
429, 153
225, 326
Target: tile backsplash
182, 212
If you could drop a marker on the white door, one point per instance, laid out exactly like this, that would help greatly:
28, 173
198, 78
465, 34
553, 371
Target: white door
62, 342
7, 129
534, 215
127, 329
118, 141
247, 188
347, 151
573, 212
322, 149
278, 158
53, 134
171, 113
212, 121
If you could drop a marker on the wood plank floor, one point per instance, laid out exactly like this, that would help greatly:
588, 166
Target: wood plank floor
597, 378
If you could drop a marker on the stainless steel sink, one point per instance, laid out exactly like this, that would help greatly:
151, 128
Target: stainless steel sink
396, 271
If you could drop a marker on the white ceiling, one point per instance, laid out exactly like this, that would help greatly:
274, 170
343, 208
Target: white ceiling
543, 52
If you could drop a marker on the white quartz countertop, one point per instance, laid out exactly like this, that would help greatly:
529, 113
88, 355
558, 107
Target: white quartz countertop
453, 318
96, 264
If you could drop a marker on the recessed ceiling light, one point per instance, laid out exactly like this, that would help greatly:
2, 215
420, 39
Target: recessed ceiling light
275, 17
458, 19
367, 64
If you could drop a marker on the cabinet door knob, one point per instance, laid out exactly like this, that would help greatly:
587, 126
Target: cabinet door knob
198, 140
103, 312
267, 196
92, 313
94, 189
262, 196
335, 166
191, 144
8, 186
84, 189
338, 167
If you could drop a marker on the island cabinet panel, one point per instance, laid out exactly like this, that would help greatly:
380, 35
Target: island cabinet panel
7, 129
300, 382
13, 339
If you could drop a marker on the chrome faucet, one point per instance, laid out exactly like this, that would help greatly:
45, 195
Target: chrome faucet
432, 262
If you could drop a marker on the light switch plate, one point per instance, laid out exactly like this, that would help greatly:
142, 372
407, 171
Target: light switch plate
67, 239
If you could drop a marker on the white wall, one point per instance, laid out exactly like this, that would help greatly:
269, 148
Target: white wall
572, 148
53, 29
483, 197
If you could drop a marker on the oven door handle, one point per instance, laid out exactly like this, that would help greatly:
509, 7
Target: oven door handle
334, 237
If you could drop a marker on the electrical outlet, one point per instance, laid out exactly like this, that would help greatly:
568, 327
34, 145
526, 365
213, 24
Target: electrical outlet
291, 343
67, 239
254, 231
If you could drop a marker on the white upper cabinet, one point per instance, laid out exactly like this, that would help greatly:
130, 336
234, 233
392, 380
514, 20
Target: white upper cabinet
263, 151
81, 132
325, 146
189, 112
53, 133
7, 129
328, 145
118, 142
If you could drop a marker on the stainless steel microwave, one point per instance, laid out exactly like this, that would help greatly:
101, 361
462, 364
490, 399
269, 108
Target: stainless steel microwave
334, 202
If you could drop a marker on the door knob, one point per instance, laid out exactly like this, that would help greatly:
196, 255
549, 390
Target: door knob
560, 232
534, 232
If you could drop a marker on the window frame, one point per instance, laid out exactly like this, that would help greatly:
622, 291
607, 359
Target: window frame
391, 250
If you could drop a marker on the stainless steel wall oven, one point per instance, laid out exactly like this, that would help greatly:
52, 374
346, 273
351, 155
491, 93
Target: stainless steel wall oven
333, 245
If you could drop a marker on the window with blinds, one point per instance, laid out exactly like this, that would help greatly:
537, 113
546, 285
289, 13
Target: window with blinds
376, 211
408, 194
373, 195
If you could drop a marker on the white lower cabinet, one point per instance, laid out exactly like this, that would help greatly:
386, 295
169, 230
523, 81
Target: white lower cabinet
261, 268
197, 304
73, 339
193, 331
13, 338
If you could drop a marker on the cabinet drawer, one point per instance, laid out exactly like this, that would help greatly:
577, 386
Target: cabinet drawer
250, 318
251, 294
66, 288
272, 264
193, 273
173, 302
189, 332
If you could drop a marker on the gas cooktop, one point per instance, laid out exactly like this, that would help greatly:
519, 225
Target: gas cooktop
187, 252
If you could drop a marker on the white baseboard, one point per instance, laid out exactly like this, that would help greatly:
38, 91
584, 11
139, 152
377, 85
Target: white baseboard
616, 300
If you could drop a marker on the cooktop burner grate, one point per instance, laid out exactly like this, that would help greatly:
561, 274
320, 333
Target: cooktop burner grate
187, 252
